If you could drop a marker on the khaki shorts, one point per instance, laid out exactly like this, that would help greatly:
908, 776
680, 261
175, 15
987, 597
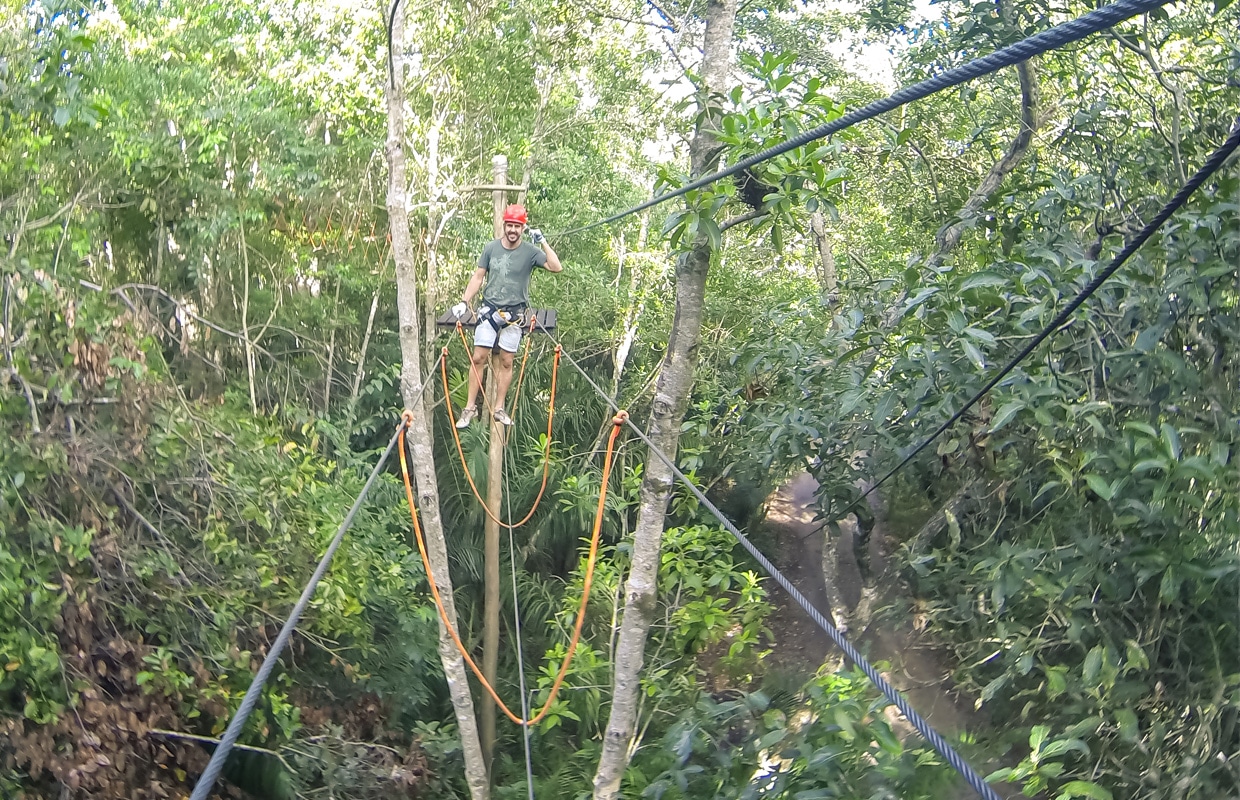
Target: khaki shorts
484, 333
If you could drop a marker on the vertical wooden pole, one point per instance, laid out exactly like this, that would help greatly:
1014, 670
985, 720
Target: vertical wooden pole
495, 462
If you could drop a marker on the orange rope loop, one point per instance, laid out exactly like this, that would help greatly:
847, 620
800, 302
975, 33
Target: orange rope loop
456, 436
587, 581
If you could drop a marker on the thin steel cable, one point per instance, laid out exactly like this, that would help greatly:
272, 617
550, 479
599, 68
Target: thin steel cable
209, 776
516, 620
1211, 165
971, 776
1039, 43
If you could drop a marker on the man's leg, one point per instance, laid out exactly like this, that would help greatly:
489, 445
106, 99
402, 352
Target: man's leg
478, 362
503, 376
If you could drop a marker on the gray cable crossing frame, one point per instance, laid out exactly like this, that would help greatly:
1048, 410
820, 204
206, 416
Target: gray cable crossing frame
206, 782
1056, 37
923, 727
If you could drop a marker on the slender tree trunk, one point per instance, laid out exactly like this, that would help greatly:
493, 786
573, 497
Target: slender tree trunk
632, 315
419, 429
360, 373
331, 352
670, 400
245, 314
949, 236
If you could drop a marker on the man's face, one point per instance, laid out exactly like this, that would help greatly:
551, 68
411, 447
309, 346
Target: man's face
512, 232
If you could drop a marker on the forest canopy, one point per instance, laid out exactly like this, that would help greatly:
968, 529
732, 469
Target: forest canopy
229, 231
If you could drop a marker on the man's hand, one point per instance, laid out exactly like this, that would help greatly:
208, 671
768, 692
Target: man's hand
537, 236
460, 310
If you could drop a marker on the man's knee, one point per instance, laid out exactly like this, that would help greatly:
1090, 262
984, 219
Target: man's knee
480, 356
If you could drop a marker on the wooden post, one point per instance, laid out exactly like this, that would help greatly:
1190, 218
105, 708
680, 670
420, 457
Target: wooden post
495, 464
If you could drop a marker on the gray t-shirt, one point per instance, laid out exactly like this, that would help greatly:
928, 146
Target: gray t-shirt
508, 273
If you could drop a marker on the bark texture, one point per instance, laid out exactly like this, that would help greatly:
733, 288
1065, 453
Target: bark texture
668, 411
419, 430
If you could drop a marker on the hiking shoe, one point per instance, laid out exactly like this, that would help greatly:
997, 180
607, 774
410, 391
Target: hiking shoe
467, 416
501, 416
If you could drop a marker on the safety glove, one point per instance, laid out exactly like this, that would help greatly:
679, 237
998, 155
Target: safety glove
537, 236
460, 310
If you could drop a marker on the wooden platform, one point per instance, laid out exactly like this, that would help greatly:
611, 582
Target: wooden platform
546, 319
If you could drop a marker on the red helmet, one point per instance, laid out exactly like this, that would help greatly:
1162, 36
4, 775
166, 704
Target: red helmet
515, 213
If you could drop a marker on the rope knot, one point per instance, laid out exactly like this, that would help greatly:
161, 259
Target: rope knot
620, 418
406, 417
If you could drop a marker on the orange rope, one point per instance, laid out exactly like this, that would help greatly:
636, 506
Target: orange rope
456, 436
473, 368
617, 421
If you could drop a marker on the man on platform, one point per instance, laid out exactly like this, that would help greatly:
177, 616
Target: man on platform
505, 266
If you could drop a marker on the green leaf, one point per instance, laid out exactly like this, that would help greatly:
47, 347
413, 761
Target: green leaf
1136, 657
1169, 586
1172, 439
1056, 682
1149, 339
974, 355
1005, 415
1127, 722
980, 335
1083, 789
1093, 663
979, 279
1099, 486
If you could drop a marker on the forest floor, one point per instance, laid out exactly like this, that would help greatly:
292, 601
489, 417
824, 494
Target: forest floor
800, 648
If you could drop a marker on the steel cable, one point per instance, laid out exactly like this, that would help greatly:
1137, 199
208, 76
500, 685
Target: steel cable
971, 776
1211, 165
206, 782
1039, 43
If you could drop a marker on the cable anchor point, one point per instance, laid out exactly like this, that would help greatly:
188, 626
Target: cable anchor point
621, 417
406, 418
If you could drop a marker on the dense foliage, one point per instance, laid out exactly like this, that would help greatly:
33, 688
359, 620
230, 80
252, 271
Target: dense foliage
199, 363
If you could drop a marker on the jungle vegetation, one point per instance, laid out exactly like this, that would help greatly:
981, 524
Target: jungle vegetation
200, 361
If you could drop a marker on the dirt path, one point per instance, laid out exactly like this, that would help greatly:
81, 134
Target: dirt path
801, 648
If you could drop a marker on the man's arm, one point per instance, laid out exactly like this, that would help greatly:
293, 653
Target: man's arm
475, 283
553, 261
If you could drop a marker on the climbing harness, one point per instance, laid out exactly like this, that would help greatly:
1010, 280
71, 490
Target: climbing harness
618, 421
502, 316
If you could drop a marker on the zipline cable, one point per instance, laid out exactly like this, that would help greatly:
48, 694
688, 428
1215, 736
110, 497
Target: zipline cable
206, 782
1039, 43
618, 420
923, 727
1211, 165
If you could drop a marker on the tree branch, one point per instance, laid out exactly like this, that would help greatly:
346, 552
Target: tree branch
949, 236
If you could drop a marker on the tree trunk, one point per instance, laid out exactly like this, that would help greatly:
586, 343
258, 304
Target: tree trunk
670, 400
245, 312
419, 429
